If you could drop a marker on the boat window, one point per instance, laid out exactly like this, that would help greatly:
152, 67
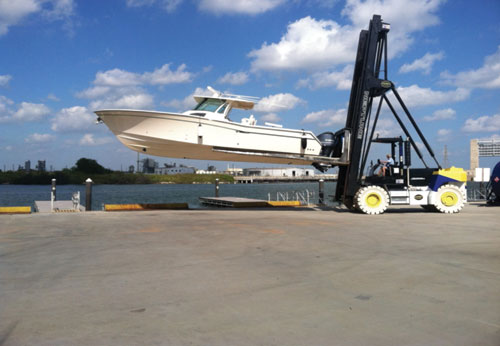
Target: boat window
222, 109
209, 105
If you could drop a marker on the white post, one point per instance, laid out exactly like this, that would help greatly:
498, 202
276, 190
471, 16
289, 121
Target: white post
52, 201
88, 194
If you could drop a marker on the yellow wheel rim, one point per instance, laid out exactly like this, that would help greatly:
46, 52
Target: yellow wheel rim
373, 200
449, 199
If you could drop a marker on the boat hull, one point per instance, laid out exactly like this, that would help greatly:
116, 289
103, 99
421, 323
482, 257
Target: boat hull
191, 137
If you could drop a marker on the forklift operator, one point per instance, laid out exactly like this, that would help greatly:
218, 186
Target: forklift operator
387, 163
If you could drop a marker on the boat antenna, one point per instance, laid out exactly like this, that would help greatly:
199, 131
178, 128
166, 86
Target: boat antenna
215, 92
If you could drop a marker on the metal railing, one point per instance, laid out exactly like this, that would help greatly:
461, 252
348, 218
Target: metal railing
304, 197
477, 191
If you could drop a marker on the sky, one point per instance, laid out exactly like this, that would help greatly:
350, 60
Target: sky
63, 59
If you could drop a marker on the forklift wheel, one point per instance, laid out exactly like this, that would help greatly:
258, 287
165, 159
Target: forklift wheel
371, 200
449, 199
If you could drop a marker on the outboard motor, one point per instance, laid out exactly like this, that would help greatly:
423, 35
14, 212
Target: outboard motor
332, 145
328, 141
494, 186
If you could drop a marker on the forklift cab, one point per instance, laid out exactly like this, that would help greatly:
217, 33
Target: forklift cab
400, 152
398, 175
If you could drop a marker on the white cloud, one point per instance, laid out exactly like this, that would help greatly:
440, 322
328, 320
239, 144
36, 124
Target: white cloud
58, 9
424, 63
73, 119
420, 145
5, 79
52, 97
237, 78
239, 6
132, 100
94, 92
307, 44
39, 138
188, 102
139, 3
26, 111
118, 88
88, 139
415, 96
271, 117
220, 6
164, 75
117, 77
487, 76
207, 69
444, 135
342, 80
412, 15
4, 108
405, 17
387, 127
441, 114
483, 124
313, 44
167, 5
278, 102
160, 76
492, 137
12, 12
30, 112
326, 117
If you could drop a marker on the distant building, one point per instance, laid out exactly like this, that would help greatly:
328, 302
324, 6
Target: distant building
174, 169
41, 166
279, 172
27, 166
131, 169
149, 165
234, 171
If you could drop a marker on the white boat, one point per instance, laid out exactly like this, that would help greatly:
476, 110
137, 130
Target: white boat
207, 133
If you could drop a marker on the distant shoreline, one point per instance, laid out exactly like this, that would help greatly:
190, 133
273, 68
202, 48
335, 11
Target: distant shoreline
71, 177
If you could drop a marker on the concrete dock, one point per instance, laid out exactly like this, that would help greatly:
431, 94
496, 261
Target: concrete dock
251, 277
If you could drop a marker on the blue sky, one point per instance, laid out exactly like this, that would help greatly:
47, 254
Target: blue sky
63, 59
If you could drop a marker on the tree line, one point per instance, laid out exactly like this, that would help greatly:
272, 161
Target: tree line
89, 168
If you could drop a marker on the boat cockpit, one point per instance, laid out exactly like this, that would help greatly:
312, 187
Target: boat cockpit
210, 108
216, 108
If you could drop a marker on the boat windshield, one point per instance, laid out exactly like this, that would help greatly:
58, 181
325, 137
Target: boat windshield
209, 105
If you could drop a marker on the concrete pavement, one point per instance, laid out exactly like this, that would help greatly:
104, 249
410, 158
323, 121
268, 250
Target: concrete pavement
251, 277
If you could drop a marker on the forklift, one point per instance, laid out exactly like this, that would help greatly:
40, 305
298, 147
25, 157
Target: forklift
434, 189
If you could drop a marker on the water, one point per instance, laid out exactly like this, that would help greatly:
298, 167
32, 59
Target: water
24, 195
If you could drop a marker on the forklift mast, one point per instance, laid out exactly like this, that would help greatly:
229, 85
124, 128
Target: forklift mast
366, 86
